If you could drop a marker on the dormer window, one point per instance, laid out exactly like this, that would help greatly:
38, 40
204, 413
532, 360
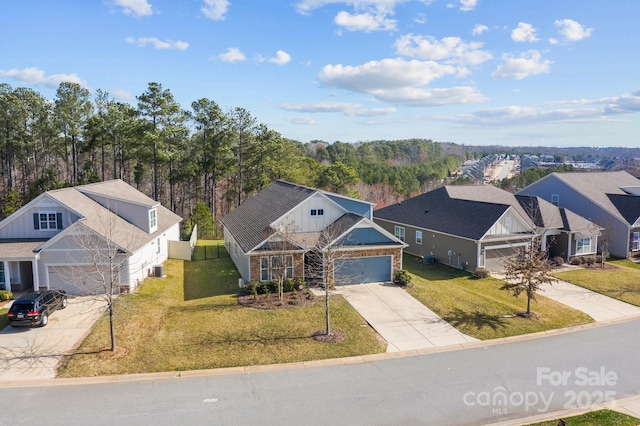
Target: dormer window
153, 220
47, 221
317, 212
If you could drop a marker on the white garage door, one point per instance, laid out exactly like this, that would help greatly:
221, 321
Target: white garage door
79, 280
362, 270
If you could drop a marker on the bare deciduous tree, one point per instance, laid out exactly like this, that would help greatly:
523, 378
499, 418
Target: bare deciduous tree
526, 271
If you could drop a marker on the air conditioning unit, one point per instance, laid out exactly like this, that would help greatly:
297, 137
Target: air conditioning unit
158, 271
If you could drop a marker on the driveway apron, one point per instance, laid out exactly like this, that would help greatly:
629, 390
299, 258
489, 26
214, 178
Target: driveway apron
34, 353
401, 320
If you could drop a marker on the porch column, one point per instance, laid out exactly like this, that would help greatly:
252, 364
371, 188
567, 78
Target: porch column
543, 245
34, 268
569, 241
7, 275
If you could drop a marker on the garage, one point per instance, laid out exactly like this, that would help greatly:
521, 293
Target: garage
78, 280
362, 270
494, 258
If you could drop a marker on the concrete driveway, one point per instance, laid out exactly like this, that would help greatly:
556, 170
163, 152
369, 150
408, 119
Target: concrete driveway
401, 320
34, 353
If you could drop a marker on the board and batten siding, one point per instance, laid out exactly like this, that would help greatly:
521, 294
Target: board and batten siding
239, 258
299, 219
22, 226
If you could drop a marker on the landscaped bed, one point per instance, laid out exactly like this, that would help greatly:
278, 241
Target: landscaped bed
621, 282
192, 320
478, 308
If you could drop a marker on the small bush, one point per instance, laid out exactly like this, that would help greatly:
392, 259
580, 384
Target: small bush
599, 258
5, 295
557, 261
310, 295
481, 273
293, 301
401, 277
288, 285
299, 283
251, 287
589, 260
577, 260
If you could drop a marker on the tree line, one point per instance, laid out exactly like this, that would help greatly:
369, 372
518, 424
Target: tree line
182, 157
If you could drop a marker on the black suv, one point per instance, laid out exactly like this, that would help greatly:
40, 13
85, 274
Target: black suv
34, 308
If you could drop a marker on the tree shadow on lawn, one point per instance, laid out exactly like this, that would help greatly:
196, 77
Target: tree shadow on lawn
478, 320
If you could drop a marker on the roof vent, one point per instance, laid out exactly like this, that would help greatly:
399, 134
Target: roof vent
426, 210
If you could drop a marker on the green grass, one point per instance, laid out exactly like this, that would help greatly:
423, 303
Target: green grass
595, 418
191, 320
479, 308
209, 249
622, 283
3, 318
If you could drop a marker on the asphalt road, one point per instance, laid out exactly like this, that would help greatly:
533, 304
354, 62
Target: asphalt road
474, 386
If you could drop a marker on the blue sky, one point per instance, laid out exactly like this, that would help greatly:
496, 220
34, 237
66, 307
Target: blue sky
475, 72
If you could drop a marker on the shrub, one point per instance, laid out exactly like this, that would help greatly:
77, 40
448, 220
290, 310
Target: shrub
599, 258
288, 285
5, 295
481, 273
293, 301
589, 260
299, 283
557, 261
401, 277
577, 260
310, 295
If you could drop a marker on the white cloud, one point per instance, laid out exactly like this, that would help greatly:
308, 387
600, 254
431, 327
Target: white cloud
121, 94
416, 97
524, 32
321, 107
157, 43
137, 8
572, 30
33, 75
372, 112
465, 5
233, 54
527, 64
304, 120
365, 22
450, 49
479, 29
383, 75
215, 9
281, 58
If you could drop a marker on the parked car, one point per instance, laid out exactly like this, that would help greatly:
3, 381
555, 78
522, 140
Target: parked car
35, 307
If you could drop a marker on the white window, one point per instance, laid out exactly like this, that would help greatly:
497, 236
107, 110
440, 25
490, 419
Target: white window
47, 221
289, 266
555, 199
316, 212
158, 249
153, 220
635, 241
418, 237
583, 246
264, 268
3, 280
398, 231
507, 224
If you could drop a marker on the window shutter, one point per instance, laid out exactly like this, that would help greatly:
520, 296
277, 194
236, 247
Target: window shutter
36, 221
59, 220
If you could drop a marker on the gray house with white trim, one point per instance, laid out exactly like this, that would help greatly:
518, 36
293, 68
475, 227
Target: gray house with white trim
289, 226
610, 199
471, 227
59, 239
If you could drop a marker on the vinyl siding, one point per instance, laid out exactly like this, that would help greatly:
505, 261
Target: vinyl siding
134, 213
239, 258
299, 219
22, 226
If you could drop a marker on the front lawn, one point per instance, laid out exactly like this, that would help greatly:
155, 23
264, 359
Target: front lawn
621, 282
478, 308
191, 320
595, 418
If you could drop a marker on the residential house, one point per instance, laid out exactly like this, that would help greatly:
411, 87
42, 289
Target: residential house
467, 227
64, 239
610, 199
288, 226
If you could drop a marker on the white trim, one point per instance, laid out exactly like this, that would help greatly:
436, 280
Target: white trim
47, 221
87, 193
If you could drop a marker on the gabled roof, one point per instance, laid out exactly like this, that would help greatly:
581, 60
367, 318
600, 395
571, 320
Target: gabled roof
464, 211
117, 189
250, 222
101, 220
599, 187
627, 205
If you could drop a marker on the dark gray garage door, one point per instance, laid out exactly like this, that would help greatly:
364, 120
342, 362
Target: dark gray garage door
362, 270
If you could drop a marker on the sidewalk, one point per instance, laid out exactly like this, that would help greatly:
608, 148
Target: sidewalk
401, 320
596, 305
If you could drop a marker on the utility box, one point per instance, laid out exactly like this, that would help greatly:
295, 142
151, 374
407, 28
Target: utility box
429, 259
158, 271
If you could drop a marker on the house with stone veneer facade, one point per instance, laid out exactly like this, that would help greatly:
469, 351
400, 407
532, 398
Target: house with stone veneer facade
312, 234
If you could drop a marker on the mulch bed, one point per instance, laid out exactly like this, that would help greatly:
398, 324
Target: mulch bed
334, 336
272, 302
